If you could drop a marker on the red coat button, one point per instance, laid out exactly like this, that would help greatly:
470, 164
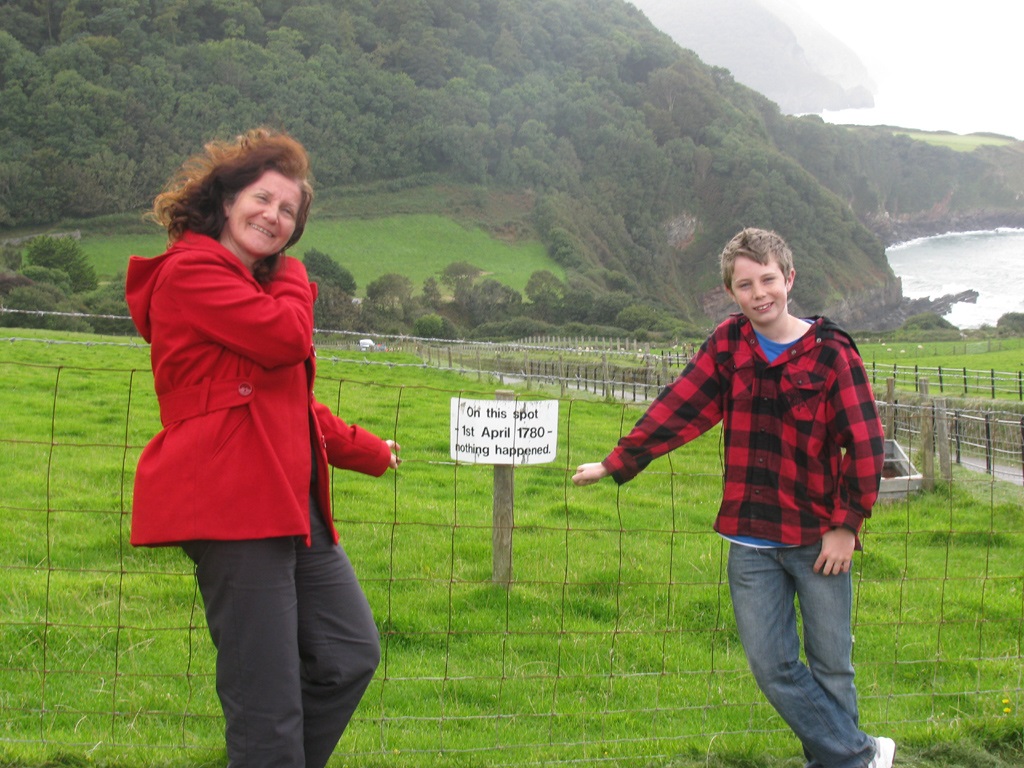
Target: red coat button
245, 389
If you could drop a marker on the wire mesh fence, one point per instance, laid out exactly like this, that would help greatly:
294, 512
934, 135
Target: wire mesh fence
629, 369
613, 643
953, 381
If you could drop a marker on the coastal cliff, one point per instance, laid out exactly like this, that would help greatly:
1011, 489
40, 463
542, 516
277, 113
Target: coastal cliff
881, 308
886, 308
901, 229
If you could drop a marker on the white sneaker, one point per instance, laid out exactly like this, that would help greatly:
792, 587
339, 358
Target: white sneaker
885, 753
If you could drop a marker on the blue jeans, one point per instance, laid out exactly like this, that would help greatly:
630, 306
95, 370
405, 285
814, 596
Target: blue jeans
818, 699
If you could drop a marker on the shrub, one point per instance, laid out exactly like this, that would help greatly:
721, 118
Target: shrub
66, 254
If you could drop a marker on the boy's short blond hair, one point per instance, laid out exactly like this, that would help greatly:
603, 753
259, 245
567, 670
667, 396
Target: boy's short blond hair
761, 245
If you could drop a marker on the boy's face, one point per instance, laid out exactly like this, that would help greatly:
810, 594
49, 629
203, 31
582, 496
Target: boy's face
761, 291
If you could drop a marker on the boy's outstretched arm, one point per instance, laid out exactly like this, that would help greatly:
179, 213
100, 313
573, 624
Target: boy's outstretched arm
590, 473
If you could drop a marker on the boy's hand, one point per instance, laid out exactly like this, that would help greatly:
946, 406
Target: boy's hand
836, 552
589, 473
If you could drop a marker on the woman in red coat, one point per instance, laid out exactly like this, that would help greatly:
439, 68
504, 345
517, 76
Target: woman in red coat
238, 476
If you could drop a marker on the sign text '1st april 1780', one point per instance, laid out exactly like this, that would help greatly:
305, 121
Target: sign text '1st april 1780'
504, 431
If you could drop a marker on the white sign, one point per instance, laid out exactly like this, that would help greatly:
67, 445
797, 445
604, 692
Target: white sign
504, 431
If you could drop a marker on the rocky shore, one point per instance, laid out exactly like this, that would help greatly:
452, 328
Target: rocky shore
884, 309
892, 230
885, 313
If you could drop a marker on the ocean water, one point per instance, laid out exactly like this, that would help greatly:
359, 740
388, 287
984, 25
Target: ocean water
989, 262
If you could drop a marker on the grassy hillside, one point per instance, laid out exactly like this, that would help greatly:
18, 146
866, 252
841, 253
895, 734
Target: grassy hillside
420, 245
415, 245
574, 123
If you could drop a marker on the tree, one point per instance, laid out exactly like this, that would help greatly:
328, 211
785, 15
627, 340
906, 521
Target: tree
637, 317
72, 22
57, 278
320, 25
576, 305
490, 301
546, 292
42, 306
434, 327
326, 271
607, 306
565, 248
102, 183
109, 308
1011, 324
431, 293
390, 293
63, 253
460, 274
10, 280
334, 309
10, 257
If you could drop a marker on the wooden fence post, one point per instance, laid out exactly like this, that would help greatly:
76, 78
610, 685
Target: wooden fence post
1022, 443
503, 517
942, 440
990, 465
890, 408
927, 438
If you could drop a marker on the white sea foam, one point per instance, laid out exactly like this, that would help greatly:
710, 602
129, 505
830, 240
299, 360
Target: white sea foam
990, 262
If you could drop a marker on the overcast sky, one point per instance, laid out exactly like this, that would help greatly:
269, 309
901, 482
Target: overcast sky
936, 68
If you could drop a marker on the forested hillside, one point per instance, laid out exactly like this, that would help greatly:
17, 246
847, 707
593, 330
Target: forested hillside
639, 159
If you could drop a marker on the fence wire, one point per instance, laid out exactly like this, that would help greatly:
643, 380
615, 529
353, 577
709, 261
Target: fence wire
614, 643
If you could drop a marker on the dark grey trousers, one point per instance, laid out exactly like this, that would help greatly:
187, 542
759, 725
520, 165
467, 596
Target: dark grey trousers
296, 644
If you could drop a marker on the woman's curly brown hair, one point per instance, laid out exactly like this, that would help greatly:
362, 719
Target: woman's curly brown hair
194, 198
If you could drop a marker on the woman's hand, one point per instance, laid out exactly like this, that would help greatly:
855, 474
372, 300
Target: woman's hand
395, 448
586, 474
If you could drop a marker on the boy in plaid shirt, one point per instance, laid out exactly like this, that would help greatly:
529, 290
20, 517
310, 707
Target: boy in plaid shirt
803, 456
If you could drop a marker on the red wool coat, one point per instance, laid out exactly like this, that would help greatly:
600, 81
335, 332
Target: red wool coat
233, 368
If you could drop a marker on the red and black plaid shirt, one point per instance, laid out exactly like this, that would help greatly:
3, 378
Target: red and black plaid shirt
803, 442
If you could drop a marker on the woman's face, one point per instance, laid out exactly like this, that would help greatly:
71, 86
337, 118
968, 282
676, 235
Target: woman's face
261, 218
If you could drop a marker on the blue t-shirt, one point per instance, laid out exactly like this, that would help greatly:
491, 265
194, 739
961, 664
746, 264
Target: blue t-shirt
772, 349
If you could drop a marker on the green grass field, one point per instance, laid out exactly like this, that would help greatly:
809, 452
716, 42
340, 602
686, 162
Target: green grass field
959, 142
978, 370
415, 245
1001, 354
614, 646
